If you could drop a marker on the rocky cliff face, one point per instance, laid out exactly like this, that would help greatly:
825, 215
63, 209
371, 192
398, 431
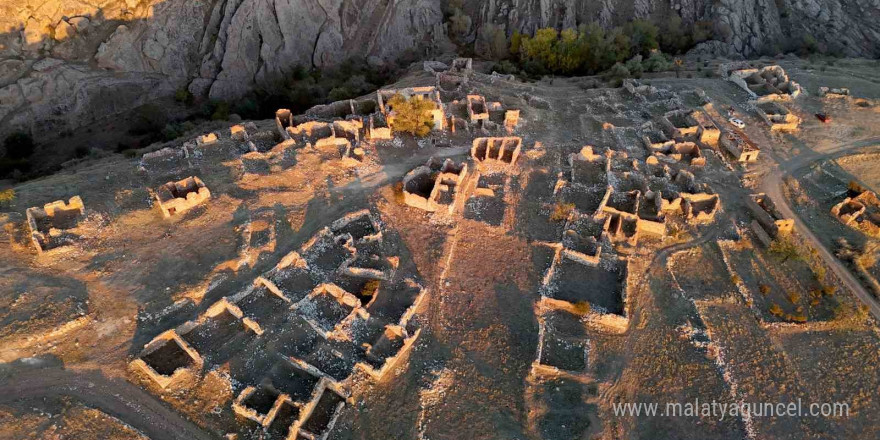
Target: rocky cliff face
67, 63
744, 27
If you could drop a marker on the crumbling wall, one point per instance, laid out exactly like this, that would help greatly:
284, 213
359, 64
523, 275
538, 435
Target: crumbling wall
48, 225
766, 214
739, 148
777, 117
177, 197
505, 150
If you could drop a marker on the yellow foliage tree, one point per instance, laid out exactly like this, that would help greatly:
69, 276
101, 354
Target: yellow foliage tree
412, 115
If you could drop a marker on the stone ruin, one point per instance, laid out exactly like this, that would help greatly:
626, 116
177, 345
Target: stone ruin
291, 415
167, 358
777, 117
503, 150
709, 132
181, 196
511, 120
684, 152
769, 83
655, 141
768, 217
680, 124
635, 88
741, 149
830, 92
378, 128
325, 313
557, 352
207, 139
51, 226
700, 208
463, 65
434, 187
477, 108
859, 210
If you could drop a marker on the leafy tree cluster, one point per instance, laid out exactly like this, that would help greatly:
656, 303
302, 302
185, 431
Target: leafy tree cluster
631, 49
588, 49
412, 115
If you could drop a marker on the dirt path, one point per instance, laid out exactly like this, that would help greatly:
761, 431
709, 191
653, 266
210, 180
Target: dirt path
31, 387
772, 185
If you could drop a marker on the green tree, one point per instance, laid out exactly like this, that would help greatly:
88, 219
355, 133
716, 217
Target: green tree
634, 66
643, 36
459, 24
541, 47
516, 43
618, 71
674, 39
594, 47
657, 62
412, 115
7, 196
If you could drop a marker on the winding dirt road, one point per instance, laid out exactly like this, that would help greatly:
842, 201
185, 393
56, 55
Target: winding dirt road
772, 185
31, 387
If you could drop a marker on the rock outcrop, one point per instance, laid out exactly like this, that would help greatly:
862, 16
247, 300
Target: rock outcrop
67, 63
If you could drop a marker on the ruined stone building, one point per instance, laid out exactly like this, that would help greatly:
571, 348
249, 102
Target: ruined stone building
51, 226
769, 83
771, 220
777, 117
741, 149
861, 212
435, 186
178, 197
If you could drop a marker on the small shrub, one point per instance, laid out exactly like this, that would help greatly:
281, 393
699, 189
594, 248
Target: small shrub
7, 196
735, 279
785, 249
221, 111
794, 297
764, 289
582, 307
775, 310
561, 212
819, 272
184, 96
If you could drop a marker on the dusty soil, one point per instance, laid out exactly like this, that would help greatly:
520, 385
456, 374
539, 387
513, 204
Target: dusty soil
514, 338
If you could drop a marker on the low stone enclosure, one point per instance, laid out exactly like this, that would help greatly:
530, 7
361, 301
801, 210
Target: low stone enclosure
611, 205
741, 149
558, 352
324, 319
178, 197
830, 92
859, 210
777, 117
50, 226
769, 83
709, 131
680, 124
435, 186
500, 150
767, 216
684, 152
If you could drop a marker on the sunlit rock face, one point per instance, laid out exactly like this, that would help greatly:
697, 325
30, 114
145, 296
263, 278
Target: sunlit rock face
67, 63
